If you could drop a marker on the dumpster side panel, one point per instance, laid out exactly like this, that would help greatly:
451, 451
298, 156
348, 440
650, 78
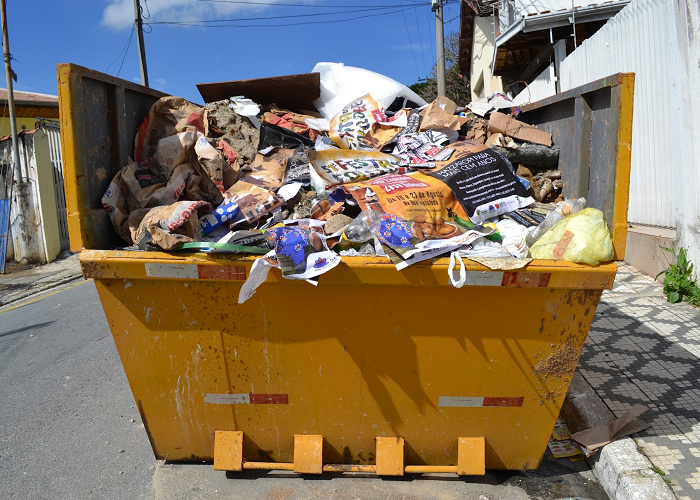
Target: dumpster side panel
99, 117
383, 363
592, 125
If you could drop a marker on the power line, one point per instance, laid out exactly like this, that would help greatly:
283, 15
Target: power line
410, 42
128, 42
431, 32
126, 51
282, 4
265, 18
205, 24
420, 40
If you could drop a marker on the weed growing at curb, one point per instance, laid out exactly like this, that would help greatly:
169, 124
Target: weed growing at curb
662, 474
679, 283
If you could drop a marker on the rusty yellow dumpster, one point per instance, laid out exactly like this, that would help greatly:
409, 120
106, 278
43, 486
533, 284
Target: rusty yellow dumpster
374, 369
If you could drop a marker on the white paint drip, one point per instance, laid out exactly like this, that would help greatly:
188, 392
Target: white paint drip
148, 313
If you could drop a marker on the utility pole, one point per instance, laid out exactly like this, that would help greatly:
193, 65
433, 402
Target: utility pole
139, 38
440, 43
10, 94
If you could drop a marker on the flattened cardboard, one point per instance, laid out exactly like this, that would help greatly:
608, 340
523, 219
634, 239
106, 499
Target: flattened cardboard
507, 125
601, 435
293, 92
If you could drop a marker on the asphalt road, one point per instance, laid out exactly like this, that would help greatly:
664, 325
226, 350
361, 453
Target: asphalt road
69, 429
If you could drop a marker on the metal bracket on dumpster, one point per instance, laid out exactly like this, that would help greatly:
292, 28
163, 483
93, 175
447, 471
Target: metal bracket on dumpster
308, 457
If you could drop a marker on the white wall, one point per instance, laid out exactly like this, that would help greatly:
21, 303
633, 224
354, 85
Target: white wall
542, 86
687, 132
33, 219
482, 55
642, 39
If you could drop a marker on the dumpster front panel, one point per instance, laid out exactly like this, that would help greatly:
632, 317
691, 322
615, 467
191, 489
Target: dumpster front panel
368, 361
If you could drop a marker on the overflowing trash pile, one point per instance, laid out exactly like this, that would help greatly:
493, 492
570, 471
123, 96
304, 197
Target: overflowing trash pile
373, 171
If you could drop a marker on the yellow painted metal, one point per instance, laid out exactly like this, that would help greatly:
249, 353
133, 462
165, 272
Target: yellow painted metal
623, 165
389, 456
470, 456
308, 454
349, 468
371, 359
228, 450
267, 466
71, 159
431, 469
370, 353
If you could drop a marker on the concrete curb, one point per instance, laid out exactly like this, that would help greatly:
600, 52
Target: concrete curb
621, 469
14, 297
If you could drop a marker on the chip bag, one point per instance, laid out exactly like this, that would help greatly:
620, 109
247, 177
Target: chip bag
338, 166
583, 238
417, 213
354, 121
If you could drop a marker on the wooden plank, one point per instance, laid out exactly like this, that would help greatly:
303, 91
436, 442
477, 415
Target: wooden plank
290, 91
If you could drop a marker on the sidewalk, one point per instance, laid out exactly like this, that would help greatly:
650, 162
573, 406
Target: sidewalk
18, 284
642, 349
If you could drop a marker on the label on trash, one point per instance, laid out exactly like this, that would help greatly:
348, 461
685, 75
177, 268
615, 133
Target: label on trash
482, 182
563, 244
247, 399
479, 402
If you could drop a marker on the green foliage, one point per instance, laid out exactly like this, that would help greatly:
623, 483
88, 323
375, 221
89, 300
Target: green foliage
456, 85
678, 282
661, 473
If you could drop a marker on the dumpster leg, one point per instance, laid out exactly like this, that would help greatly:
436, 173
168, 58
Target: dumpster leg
228, 450
389, 456
471, 456
308, 457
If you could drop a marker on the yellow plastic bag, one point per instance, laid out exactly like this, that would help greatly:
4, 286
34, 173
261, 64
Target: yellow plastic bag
583, 238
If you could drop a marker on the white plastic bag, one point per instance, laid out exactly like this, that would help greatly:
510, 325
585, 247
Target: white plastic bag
341, 84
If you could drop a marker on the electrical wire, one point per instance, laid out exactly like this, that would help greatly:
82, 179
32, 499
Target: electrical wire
420, 40
133, 28
410, 42
265, 18
431, 32
126, 52
232, 22
282, 4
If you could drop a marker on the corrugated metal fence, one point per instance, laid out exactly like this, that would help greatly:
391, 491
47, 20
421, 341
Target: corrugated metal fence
641, 38
54, 135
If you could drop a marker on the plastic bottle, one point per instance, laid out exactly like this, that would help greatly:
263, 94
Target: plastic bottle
567, 207
360, 230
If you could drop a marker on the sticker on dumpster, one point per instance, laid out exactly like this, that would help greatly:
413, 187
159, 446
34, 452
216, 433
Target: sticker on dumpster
479, 402
193, 272
182, 271
236, 273
507, 278
247, 399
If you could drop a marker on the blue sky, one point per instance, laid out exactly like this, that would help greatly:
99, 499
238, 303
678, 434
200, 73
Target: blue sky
388, 36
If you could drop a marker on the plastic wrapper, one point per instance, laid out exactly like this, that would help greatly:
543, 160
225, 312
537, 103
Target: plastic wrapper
268, 170
583, 238
567, 207
218, 217
302, 252
415, 213
339, 166
253, 201
167, 227
349, 127
340, 84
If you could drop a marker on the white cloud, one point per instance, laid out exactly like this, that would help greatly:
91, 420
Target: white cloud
159, 83
119, 14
